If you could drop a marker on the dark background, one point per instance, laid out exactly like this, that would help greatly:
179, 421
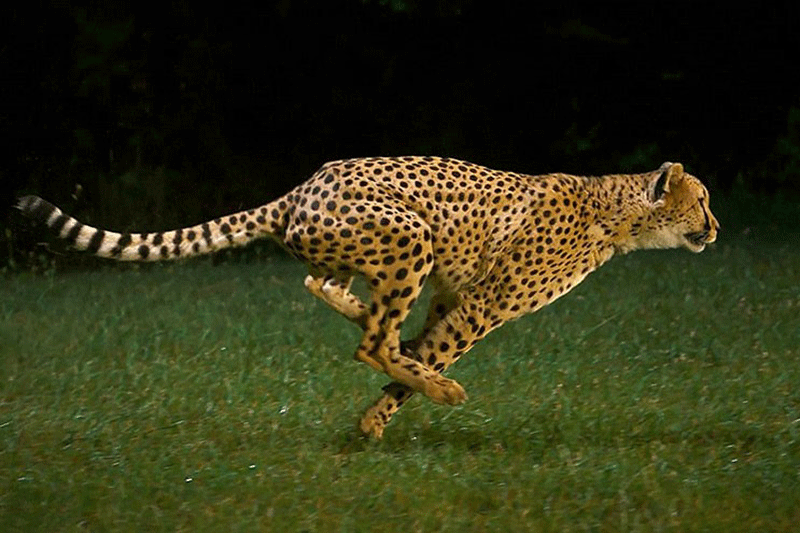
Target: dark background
135, 117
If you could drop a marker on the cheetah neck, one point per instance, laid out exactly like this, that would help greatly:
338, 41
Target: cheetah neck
617, 209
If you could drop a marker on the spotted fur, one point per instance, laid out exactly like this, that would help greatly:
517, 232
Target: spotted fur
497, 245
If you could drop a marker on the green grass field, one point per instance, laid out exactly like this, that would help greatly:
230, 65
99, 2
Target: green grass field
660, 395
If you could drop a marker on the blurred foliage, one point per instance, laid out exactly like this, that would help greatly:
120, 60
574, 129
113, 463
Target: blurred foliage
786, 156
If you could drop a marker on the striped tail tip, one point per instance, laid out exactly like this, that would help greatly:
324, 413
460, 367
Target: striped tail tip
36, 208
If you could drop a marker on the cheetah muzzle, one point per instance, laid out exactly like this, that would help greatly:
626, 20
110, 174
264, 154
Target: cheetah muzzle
699, 238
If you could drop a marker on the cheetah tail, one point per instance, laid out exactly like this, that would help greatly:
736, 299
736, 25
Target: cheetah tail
233, 230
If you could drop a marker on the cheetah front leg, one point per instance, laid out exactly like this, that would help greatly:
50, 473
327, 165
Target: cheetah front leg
449, 339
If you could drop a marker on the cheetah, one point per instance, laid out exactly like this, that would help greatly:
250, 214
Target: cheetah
495, 246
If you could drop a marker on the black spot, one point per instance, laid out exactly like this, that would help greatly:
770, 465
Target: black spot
225, 228
144, 251
401, 274
178, 237
158, 239
417, 249
124, 240
190, 235
164, 251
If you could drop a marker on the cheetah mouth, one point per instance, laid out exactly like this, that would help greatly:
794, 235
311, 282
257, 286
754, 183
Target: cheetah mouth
697, 239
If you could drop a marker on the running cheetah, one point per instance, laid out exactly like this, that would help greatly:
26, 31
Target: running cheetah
496, 245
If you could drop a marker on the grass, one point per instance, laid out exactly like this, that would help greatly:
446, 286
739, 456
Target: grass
661, 395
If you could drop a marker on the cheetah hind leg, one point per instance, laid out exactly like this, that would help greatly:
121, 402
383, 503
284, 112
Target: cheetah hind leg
336, 293
396, 394
454, 330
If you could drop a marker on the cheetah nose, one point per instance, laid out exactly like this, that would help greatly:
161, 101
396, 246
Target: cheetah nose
711, 233
713, 229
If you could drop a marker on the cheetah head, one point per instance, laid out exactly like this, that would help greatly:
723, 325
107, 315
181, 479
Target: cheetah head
679, 212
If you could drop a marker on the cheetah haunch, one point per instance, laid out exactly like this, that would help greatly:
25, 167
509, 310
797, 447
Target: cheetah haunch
497, 245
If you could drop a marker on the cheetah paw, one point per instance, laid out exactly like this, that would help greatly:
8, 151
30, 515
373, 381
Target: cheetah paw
314, 285
371, 424
446, 391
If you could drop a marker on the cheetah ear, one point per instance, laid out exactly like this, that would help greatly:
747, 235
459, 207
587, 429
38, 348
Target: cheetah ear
668, 175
